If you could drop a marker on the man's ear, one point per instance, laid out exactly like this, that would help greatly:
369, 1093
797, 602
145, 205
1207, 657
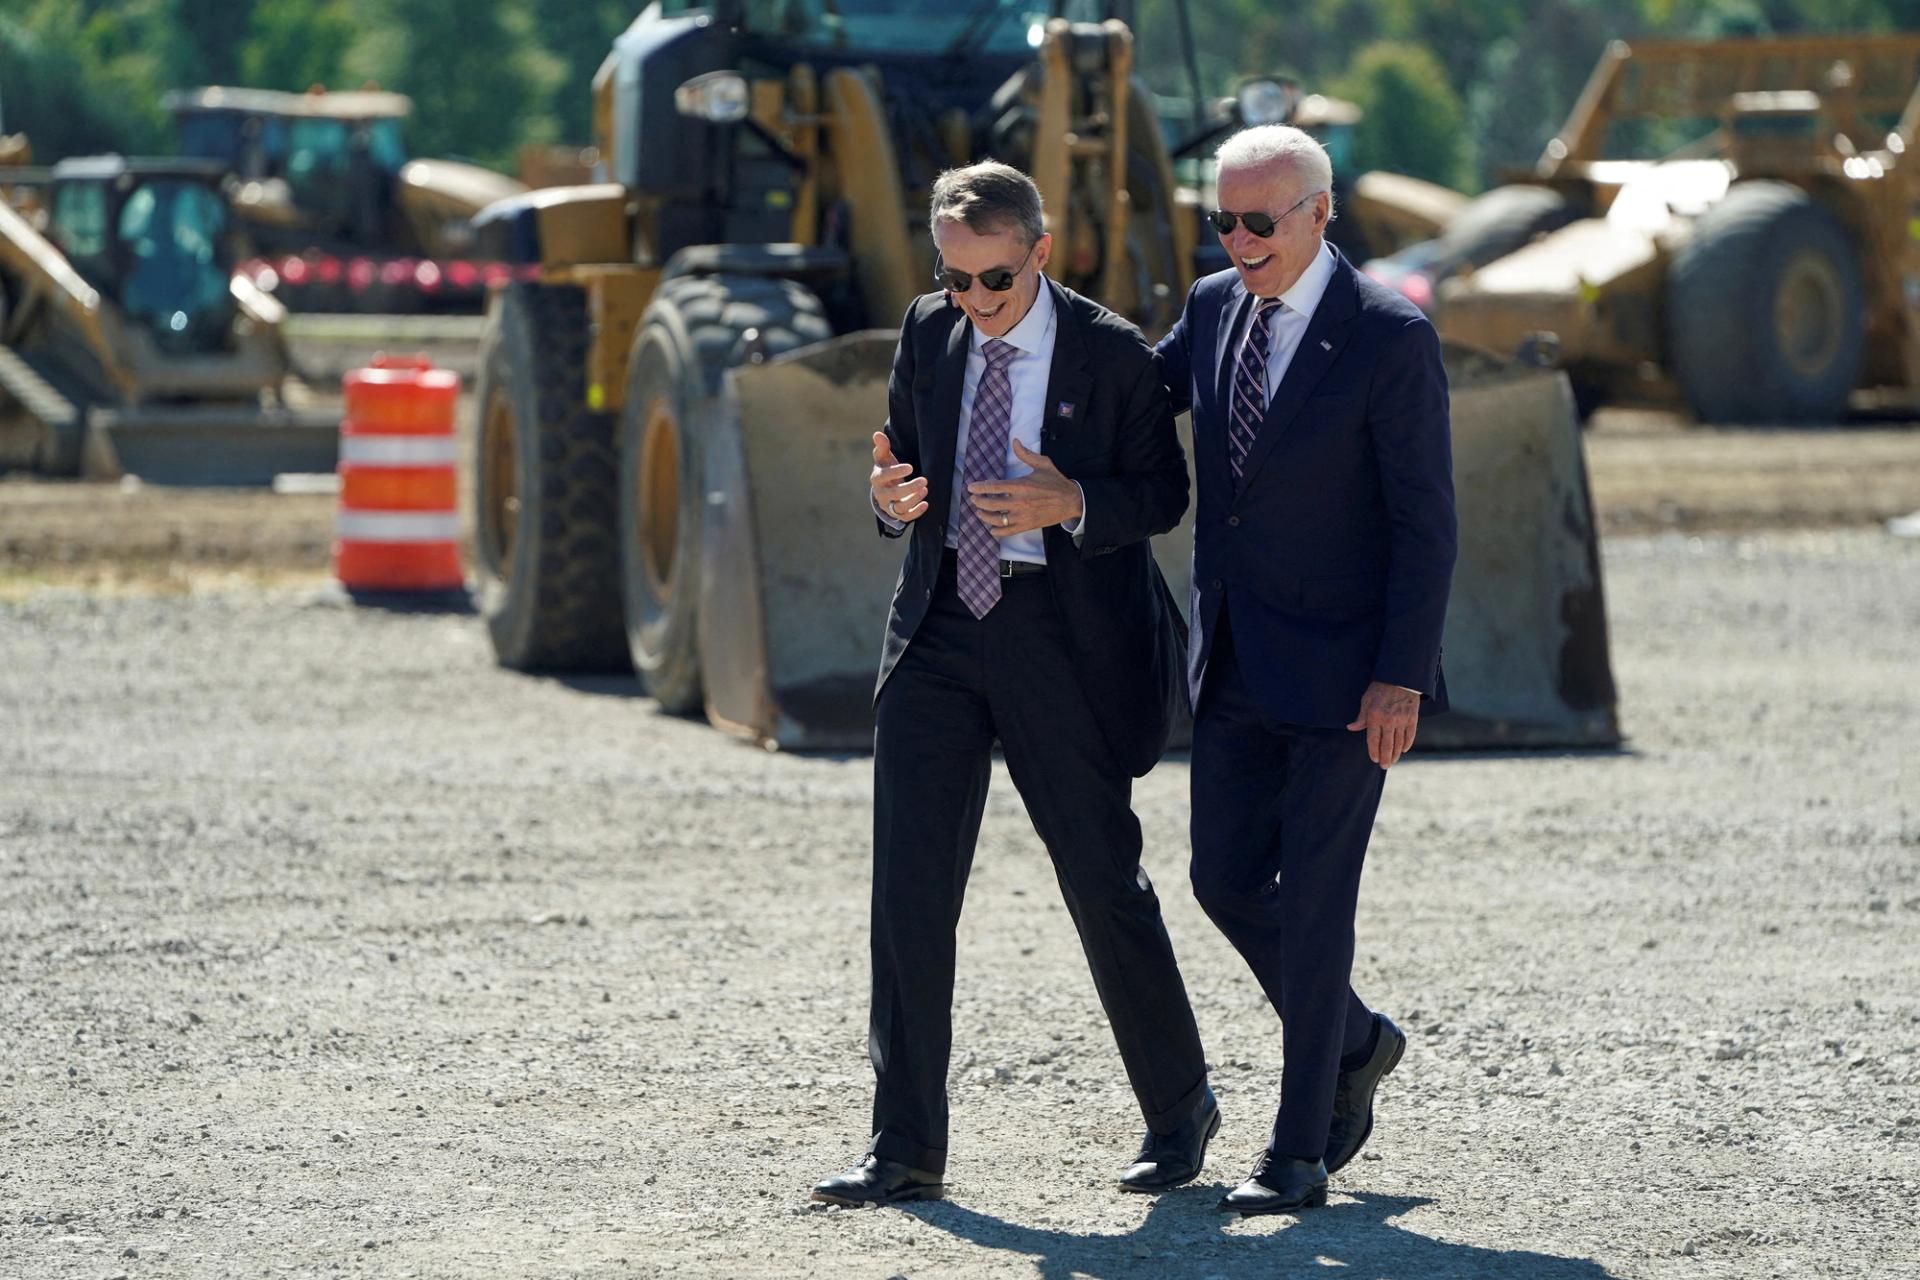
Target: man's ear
1042, 250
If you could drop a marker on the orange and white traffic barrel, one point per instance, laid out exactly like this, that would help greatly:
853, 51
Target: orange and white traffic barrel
398, 527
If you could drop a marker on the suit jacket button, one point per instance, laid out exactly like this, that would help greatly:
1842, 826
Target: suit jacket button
1234, 521
1215, 584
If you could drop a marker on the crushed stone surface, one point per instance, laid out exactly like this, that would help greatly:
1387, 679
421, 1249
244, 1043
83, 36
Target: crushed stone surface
329, 948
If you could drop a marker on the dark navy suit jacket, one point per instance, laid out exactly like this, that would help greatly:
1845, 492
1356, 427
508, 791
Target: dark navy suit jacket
1334, 555
1108, 426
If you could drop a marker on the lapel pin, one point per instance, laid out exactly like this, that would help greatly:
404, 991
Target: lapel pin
1066, 408
1325, 345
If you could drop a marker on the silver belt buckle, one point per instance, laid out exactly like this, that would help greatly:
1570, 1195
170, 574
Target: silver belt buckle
1006, 568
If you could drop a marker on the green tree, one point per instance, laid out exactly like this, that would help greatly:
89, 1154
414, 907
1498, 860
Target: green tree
1527, 82
83, 78
294, 44
1414, 123
478, 77
579, 34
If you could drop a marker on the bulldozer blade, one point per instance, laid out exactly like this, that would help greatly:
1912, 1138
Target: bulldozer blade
214, 445
1526, 633
1527, 657
795, 580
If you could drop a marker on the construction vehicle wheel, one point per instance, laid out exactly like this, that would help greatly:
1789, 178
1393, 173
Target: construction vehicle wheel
695, 328
1766, 313
544, 520
1502, 221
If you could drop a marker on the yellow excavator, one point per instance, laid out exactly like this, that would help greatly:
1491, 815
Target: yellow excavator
339, 216
128, 343
674, 416
1726, 225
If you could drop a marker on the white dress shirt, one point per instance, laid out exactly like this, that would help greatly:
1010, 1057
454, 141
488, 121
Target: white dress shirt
1291, 324
1027, 372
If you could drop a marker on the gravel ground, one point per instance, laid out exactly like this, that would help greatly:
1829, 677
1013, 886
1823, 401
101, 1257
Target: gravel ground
326, 947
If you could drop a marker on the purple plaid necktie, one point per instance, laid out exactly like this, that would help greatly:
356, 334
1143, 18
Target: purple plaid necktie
978, 560
1250, 387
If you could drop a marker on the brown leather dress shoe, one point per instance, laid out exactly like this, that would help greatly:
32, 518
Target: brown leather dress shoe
877, 1181
1278, 1184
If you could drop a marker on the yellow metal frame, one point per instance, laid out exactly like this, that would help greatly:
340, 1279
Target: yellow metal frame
1660, 78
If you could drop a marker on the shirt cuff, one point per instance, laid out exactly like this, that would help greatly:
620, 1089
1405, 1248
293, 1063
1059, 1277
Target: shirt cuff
1415, 692
1077, 526
886, 517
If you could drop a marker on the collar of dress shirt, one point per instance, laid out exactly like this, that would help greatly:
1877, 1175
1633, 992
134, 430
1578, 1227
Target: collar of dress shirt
1030, 335
1312, 284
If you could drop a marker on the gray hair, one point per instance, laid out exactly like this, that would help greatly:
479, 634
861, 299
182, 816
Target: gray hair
987, 197
1276, 144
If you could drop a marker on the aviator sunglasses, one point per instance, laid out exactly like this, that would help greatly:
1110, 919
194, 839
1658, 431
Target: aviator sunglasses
997, 279
1260, 224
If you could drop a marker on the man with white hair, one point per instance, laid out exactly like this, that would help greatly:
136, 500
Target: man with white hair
1323, 552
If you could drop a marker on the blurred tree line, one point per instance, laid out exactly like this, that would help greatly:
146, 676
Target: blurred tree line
486, 76
1453, 90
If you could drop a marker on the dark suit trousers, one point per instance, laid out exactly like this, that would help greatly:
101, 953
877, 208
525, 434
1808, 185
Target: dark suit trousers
962, 683
1281, 818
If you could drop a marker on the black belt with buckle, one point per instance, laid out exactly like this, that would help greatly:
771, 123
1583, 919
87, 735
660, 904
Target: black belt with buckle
1008, 568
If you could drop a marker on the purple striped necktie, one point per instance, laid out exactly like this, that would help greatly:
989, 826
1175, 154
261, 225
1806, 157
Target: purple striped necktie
1250, 387
977, 561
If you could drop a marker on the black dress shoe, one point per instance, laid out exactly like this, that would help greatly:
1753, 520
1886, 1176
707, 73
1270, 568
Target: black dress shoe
1167, 1160
877, 1181
1279, 1184
1353, 1095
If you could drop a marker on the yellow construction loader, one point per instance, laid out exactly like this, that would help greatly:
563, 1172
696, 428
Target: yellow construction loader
674, 419
128, 343
340, 218
1728, 225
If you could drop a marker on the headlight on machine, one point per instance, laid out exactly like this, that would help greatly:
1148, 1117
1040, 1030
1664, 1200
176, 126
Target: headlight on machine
718, 96
1267, 102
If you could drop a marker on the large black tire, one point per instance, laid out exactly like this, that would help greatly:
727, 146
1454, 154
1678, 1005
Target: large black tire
1499, 222
1766, 313
547, 562
695, 328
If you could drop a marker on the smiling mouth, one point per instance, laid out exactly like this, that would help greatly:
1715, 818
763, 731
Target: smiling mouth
988, 313
1254, 264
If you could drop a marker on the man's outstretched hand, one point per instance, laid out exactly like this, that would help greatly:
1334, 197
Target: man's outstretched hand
896, 490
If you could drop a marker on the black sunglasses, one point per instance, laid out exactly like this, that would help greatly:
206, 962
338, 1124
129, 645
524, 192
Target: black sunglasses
997, 279
1260, 224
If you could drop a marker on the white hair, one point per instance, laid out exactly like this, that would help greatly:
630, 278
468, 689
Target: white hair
1266, 144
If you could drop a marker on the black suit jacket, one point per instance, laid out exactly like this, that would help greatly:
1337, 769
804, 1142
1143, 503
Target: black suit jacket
1109, 426
1335, 553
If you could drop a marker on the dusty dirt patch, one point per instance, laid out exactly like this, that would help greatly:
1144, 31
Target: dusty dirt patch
1649, 472
1654, 471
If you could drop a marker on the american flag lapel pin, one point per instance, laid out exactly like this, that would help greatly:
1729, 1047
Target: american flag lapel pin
1325, 345
1066, 409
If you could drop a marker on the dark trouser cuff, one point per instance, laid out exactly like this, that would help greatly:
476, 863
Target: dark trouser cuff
890, 1146
1170, 1119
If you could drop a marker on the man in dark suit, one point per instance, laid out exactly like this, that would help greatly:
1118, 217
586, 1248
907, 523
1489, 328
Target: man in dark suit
1030, 453
1323, 551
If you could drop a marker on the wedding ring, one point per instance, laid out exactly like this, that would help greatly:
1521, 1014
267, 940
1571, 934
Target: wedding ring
1005, 519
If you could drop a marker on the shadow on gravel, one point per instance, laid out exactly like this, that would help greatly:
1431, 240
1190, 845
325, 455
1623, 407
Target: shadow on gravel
606, 686
1183, 1234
